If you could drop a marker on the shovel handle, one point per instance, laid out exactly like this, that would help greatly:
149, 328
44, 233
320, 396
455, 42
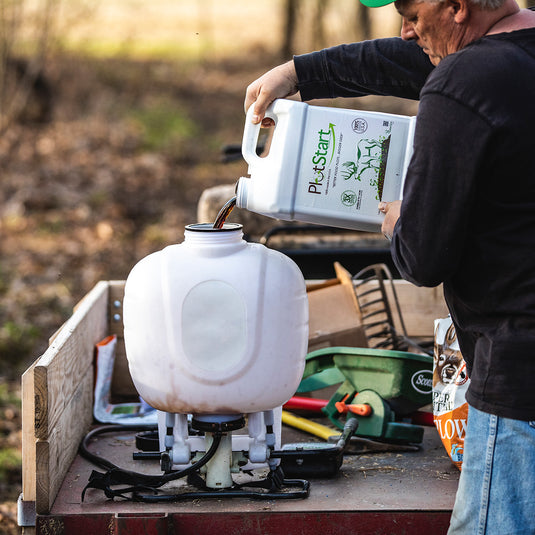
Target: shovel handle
306, 425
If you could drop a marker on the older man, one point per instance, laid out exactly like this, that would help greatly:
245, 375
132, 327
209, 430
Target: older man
468, 214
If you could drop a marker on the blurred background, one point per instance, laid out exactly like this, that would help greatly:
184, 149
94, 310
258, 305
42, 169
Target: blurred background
113, 120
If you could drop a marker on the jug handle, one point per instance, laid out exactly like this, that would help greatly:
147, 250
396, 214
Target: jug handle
251, 133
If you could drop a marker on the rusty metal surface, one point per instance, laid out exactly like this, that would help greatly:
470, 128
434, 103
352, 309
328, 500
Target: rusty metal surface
259, 522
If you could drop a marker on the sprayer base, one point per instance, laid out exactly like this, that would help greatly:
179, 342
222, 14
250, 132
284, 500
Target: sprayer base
216, 423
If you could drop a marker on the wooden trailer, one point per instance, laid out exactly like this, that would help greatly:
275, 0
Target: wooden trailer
380, 493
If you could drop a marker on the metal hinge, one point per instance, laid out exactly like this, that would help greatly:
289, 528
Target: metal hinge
25, 512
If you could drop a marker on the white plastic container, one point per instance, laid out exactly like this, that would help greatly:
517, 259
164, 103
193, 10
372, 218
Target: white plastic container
328, 166
216, 325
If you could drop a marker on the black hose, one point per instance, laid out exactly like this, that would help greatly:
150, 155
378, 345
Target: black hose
120, 475
272, 485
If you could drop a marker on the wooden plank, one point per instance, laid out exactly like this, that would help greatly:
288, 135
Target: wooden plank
58, 371
28, 436
115, 308
63, 395
122, 386
55, 455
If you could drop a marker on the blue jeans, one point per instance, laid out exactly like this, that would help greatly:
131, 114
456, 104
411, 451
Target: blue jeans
496, 494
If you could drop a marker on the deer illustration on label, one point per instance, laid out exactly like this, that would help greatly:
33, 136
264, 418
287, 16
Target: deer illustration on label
450, 382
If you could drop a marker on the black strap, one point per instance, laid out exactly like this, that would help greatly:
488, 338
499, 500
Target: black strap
135, 480
273, 487
138, 487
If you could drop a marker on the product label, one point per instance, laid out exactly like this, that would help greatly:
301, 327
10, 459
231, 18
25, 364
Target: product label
422, 381
450, 384
350, 161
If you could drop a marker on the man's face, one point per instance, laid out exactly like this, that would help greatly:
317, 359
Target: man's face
432, 25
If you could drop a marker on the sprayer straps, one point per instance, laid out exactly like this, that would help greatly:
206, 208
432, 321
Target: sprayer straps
104, 482
135, 486
274, 485
136, 480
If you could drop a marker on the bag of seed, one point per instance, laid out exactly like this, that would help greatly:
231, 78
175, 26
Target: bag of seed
450, 382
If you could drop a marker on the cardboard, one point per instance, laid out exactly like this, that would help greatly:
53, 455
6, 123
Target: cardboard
334, 316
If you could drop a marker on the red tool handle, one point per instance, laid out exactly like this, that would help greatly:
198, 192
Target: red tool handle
422, 418
309, 404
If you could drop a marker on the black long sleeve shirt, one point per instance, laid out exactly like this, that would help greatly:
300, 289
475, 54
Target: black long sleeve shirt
468, 212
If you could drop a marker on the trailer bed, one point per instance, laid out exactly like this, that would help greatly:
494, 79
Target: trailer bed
391, 492
381, 493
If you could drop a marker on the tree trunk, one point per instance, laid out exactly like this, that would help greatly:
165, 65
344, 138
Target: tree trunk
290, 19
318, 25
364, 26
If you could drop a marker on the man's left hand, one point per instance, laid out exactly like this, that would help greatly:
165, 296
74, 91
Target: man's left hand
391, 211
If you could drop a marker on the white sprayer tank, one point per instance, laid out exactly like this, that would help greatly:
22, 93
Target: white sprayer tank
216, 325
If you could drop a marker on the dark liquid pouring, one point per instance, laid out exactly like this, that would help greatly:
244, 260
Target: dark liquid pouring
224, 213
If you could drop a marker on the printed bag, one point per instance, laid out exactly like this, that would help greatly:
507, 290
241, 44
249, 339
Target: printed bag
450, 383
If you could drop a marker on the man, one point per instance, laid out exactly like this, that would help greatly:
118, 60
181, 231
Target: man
468, 214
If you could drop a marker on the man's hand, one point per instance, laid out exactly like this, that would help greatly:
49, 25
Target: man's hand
391, 211
279, 82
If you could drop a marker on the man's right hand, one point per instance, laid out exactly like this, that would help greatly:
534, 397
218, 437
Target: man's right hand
280, 82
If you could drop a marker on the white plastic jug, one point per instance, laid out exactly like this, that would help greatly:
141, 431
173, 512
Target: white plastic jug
328, 166
216, 325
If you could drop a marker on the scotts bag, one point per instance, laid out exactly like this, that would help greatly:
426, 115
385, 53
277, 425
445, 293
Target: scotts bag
450, 383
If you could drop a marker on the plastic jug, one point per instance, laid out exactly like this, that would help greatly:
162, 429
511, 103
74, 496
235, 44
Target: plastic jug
328, 166
216, 325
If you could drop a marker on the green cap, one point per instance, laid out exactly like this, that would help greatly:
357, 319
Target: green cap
376, 3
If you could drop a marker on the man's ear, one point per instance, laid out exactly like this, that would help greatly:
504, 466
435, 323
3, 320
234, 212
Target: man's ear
460, 10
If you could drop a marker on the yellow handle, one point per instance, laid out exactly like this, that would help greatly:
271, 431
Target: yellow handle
308, 426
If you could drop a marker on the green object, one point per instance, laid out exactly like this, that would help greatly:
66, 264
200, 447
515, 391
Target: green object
328, 377
403, 379
376, 3
393, 383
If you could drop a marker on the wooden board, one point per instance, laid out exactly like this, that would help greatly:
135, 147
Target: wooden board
115, 308
58, 391
28, 436
122, 386
58, 371
55, 454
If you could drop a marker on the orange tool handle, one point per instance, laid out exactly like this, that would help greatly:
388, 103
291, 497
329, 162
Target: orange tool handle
362, 409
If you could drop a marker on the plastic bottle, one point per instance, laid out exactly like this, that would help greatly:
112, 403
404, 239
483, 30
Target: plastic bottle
216, 325
328, 166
